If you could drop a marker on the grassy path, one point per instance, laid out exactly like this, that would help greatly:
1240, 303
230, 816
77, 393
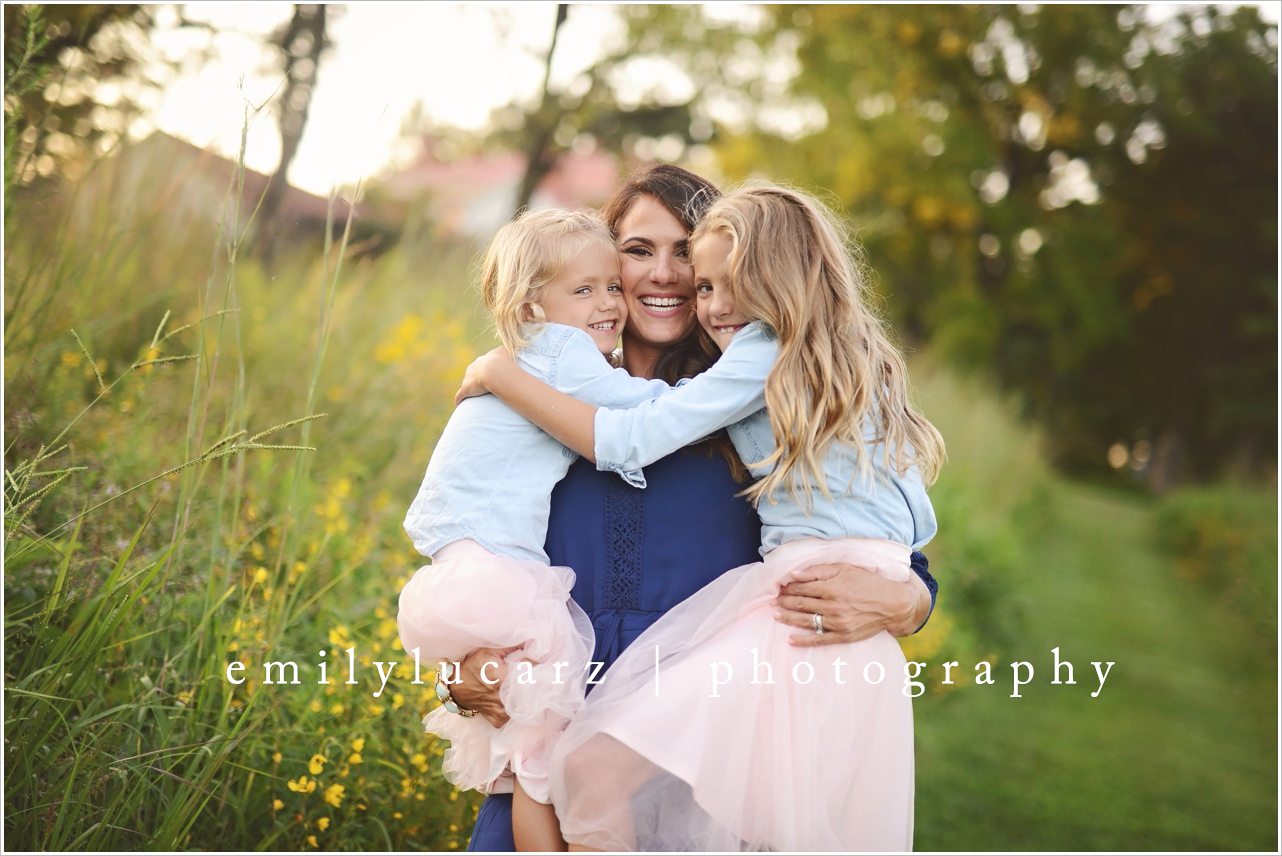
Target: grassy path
1178, 752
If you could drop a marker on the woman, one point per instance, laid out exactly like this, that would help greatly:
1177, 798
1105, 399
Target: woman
638, 553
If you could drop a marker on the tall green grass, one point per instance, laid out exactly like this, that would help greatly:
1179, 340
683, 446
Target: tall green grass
166, 513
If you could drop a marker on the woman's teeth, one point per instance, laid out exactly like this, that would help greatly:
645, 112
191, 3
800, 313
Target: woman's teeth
662, 302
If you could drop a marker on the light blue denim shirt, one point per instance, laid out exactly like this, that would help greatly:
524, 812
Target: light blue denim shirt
731, 395
491, 475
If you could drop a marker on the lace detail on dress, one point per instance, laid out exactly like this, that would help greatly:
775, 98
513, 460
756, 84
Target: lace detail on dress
624, 521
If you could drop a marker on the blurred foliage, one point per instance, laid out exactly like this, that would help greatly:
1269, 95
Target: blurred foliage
600, 106
1225, 538
1081, 199
89, 63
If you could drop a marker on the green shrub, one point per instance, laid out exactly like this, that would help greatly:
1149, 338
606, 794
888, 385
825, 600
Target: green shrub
1225, 538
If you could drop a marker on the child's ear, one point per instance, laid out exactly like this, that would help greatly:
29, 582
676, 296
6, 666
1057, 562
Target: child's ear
527, 313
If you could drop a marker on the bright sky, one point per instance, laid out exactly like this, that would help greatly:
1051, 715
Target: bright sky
386, 57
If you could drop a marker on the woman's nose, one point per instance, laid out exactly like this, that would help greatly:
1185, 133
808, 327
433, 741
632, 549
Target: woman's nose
663, 270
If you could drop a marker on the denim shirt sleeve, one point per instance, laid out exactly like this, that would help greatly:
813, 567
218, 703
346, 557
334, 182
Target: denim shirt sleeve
731, 390
575, 366
583, 373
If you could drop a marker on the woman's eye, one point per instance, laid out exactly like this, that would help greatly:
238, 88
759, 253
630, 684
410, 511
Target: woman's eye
684, 254
637, 252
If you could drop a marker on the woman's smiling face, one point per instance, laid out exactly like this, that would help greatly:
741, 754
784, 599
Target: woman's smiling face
658, 280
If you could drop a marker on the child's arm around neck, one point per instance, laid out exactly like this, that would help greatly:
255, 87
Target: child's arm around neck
580, 379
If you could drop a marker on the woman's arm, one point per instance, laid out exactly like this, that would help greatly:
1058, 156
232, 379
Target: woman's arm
474, 691
855, 603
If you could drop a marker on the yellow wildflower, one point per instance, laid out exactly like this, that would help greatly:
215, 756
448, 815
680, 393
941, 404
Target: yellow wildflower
315, 706
277, 805
334, 795
322, 823
276, 756
302, 785
316, 765
311, 839
358, 745
260, 575
354, 758
419, 760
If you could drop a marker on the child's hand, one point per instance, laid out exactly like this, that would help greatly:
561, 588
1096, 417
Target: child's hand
474, 378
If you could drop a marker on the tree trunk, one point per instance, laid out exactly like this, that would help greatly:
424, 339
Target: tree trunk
539, 156
302, 42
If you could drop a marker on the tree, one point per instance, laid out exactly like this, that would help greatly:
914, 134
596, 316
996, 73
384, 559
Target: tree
542, 123
300, 43
80, 51
589, 109
1044, 193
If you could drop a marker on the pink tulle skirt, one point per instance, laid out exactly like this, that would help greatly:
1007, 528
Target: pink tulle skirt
711, 732
469, 598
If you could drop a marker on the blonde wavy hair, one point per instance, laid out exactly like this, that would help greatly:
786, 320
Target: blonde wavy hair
525, 255
793, 266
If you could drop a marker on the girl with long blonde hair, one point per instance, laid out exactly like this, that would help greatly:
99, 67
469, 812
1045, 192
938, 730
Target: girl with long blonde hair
715, 730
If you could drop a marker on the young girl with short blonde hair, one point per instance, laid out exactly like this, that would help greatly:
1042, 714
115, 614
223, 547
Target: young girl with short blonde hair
551, 282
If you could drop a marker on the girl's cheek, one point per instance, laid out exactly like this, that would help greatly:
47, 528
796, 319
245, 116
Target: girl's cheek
701, 312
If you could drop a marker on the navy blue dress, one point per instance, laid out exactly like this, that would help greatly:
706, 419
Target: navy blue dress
638, 553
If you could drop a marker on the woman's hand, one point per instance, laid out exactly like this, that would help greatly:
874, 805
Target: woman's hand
474, 379
479, 690
854, 604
